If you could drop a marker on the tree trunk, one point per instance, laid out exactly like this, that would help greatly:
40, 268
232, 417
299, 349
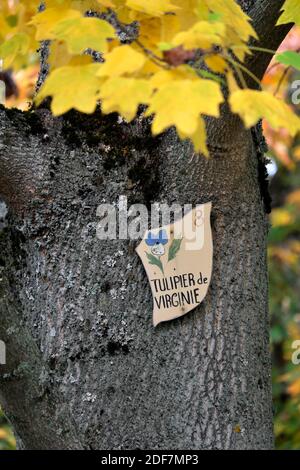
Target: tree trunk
85, 367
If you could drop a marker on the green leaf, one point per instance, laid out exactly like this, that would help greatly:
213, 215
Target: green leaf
214, 16
165, 46
12, 20
290, 58
211, 76
174, 248
156, 261
16, 44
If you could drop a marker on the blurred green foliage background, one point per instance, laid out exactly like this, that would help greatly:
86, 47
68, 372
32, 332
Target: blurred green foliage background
7, 441
284, 272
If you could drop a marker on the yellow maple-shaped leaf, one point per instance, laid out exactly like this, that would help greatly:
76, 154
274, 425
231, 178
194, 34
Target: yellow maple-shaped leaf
180, 103
83, 33
231, 14
201, 35
291, 12
198, 137
188, 14
121, 60
154, 30
72, 86
124, 95
12, 47
48, 19
253, 105
238, 24
152, 7
163, 77
58, 54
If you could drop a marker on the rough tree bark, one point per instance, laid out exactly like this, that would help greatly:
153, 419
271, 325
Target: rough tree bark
85, 368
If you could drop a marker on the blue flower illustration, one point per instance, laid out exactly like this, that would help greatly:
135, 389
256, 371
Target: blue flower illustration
154, 239
157, 242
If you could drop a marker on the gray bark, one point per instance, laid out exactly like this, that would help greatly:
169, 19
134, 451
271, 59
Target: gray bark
85, 368
82, 329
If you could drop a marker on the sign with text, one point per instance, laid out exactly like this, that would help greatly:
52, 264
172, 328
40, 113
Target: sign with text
178, 262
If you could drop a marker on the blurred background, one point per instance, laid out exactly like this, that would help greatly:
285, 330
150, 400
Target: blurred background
284, 257
283, 251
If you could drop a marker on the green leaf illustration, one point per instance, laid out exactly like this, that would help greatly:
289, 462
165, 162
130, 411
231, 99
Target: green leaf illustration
174, 248
156, 261
289, 58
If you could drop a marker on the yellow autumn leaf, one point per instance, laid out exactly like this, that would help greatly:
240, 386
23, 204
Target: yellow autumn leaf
48, 19
85, 5
55, 3
3, 433
238, 25
94, 5
83, 33
216, 63
285, 256
121, 60
294, 198
187, 14
281, 217
72, 86
58, 54
4, 27
296, 153
291, 12
123, 12
201, 35
181, 102
17, 44
231, 82
253, 105
163, 77
153, 7
198, 137
106, 3
124, 95
294, 388
231, 14
155, 30
295, 246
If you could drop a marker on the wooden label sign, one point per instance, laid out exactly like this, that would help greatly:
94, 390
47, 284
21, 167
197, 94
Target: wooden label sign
178, 262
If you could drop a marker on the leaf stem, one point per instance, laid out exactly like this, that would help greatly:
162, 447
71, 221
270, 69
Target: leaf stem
238, 71
256, 48
244, 69
281, 80
156, 59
